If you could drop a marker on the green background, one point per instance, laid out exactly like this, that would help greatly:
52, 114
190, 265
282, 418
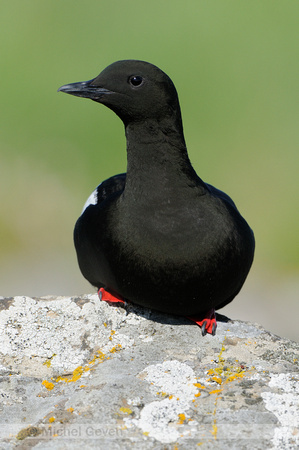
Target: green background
235, 66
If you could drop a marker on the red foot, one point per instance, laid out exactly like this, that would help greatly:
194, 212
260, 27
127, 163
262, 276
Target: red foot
106, 296
207, 322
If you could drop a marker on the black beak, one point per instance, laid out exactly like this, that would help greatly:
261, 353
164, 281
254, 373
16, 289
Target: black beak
85, 89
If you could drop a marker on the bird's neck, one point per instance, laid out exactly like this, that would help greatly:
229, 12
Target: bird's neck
158, 160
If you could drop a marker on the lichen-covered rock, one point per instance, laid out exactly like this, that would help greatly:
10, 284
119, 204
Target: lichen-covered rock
79, 372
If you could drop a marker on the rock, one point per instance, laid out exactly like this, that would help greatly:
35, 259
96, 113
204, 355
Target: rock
77, 372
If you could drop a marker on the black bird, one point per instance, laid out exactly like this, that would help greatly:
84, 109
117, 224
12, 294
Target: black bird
158, 236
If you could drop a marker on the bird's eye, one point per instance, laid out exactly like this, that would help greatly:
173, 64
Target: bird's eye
135, 80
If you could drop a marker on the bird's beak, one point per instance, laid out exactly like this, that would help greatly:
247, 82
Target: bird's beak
85, 89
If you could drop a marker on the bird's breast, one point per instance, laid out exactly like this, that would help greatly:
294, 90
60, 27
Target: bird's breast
172, 230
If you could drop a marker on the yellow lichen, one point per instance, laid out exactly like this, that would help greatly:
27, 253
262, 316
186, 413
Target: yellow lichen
217, 379
48, 385
235, 376
214, 431
115, 349
223, 374
111, 334
49, 361
52, 419
98, 356
162, 393
70, 410
77, 374
125, 410
216, 391
182, 418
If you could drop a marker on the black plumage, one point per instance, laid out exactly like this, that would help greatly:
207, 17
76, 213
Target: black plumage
158, 235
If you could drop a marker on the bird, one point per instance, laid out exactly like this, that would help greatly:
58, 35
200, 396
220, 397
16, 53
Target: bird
158, 236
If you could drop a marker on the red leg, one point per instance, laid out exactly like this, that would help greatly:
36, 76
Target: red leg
207, 321
106, 296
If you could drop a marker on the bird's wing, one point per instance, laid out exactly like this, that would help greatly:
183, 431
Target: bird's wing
104, 190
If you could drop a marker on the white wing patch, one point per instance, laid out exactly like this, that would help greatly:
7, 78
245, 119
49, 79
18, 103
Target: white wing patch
92, 200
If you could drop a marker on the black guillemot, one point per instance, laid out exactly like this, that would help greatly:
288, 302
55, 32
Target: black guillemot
158, 235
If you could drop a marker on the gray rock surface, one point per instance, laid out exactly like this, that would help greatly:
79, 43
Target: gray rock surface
77, 372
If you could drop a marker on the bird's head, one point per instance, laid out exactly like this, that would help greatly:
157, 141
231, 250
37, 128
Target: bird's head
134, 90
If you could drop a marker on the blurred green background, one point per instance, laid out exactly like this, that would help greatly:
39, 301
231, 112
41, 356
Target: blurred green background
235, 66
